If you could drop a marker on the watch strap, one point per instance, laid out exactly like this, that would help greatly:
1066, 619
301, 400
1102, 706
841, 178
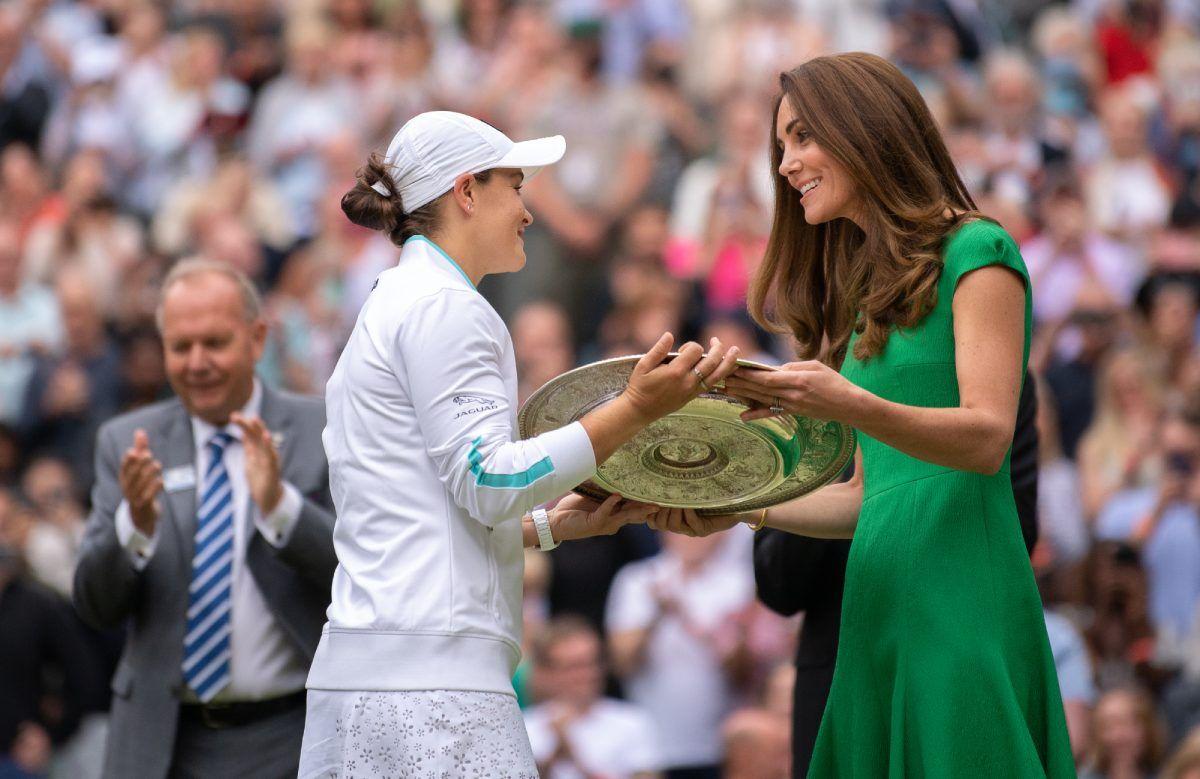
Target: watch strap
541, 523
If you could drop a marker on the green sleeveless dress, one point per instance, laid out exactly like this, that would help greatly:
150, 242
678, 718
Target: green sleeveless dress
943, 668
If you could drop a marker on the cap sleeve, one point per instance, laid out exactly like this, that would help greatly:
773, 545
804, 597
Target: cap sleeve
978, 244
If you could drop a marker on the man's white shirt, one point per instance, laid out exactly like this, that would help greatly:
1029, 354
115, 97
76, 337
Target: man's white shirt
613, 739
681, 683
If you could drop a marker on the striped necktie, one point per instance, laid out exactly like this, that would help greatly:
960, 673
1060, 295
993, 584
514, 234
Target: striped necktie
206, 647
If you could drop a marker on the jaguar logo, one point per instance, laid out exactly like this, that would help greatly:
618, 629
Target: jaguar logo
474, 404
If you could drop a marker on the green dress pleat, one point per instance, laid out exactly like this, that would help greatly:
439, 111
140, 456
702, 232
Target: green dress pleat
944, 668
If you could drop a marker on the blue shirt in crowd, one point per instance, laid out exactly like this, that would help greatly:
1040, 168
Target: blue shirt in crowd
1171, 555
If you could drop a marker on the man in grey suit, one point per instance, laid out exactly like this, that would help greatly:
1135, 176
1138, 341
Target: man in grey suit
210, 537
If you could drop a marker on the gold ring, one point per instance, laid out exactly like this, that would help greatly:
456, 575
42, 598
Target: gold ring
703, 383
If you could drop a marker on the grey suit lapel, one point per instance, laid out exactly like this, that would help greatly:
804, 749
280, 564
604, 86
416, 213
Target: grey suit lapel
277, 417
179, 451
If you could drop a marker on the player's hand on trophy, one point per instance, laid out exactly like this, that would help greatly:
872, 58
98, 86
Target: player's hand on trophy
577, 516
687, 522
656, 388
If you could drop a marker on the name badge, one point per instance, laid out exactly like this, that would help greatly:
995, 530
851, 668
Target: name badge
180, 478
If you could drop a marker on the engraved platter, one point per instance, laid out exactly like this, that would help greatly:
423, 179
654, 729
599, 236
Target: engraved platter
703, 456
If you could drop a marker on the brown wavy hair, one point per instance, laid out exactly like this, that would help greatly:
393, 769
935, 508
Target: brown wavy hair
822, 282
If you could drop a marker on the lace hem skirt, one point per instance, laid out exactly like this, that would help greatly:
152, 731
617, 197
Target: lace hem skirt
421, 734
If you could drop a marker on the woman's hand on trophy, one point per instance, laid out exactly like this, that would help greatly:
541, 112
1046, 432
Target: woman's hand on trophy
810, 388
576, 516
656, 388
687, 522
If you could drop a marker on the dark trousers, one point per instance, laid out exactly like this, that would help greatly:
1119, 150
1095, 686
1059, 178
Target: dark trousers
265, 749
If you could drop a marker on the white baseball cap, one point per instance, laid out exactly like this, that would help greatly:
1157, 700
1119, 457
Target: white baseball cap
433, 149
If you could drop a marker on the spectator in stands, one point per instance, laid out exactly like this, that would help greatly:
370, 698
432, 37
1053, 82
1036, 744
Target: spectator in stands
298, 113
1089, 334
574, 731
234, 188
87, 234
29, 324
1015, 152
1128, 193
663, 619
722, 208
1117, 450
1119, 632
542, 342
1171, 307
69, 395
47, 670
52, 545
1163, 521
178, 115
611, 144
1130, 741
1068, 256
28, 77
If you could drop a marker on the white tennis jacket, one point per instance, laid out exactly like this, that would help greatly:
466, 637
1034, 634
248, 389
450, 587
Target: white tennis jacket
430, 485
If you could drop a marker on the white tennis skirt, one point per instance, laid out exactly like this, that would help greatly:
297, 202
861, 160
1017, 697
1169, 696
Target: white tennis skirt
439, 734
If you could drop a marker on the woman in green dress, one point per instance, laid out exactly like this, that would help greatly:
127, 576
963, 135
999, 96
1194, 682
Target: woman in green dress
880, 263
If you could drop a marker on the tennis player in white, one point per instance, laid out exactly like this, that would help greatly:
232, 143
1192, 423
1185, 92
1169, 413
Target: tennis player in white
435, 497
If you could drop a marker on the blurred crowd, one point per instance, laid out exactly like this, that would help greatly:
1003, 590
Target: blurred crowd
134, 133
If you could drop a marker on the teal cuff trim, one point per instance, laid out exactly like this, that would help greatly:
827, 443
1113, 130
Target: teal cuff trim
506, 481
442, 252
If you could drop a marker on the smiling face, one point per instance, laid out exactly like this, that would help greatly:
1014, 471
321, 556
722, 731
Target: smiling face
210, 346
826, 189
499, 220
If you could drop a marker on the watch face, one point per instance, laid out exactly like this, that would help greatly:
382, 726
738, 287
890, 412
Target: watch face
702, 457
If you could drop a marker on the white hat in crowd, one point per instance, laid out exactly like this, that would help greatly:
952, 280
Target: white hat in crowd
433, 149
96, 60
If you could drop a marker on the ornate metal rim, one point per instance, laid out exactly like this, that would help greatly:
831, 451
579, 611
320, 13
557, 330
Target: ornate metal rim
789, 489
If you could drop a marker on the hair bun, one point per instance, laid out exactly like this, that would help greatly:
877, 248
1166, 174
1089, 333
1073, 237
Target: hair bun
366, 206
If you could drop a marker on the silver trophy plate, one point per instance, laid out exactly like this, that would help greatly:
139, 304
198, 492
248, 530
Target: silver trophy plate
703, 456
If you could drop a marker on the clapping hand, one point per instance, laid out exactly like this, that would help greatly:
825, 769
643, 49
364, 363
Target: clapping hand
665, 598
140, 478
263, 471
